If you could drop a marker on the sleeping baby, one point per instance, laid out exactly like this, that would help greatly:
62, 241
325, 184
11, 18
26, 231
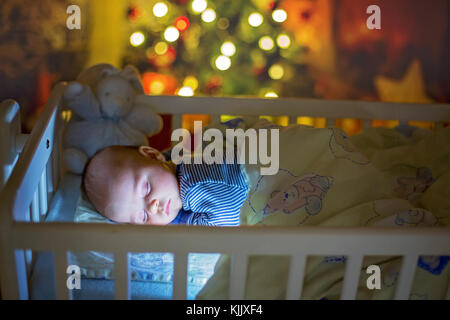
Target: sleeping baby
137, 185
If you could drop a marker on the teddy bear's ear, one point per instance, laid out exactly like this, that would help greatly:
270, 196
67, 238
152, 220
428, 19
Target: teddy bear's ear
132, 75
93, 74
274, 193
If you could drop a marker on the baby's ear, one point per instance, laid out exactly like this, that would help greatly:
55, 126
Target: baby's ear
150, 152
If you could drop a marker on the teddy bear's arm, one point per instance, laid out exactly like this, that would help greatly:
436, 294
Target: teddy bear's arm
81, 100
144, 119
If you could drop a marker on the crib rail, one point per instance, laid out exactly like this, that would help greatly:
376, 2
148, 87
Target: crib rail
294, 107
239, 242
30, 182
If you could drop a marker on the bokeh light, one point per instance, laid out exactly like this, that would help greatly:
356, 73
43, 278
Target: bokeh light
137, 38
209, 15
191, 81
181, 23
198, 6
223, 63
266, 43
276, 71
186, 91
283, 41
156, 87
171, 34
255, 19
228, 49
223, 23
160, 9
161, 48
271, 94
279, 15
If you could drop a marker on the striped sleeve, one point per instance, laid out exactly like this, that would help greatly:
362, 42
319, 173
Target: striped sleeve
213, 192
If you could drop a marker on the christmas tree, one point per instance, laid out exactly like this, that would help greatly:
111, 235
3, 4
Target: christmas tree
215, 47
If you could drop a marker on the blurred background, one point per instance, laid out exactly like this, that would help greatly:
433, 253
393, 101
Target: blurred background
265, 48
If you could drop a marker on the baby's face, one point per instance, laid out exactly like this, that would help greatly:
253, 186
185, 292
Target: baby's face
142, 192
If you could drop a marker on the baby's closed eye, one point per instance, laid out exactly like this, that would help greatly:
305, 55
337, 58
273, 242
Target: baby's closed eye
142, 216
145, 189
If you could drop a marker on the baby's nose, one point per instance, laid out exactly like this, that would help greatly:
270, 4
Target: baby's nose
154, 206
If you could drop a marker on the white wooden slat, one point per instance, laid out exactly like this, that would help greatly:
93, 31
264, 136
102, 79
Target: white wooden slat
122, 276
50, 189
238, 276
62, 292
180, 276
9, 130
58, 142
28, 253
35, 207
351, 278
295, 278
28, 260
406, 277
21, 270
43, 195
55, 169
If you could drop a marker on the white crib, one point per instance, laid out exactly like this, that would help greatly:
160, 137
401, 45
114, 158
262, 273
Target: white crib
33, 165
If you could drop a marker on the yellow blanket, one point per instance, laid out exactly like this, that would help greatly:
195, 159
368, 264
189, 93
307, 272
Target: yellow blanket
377, 178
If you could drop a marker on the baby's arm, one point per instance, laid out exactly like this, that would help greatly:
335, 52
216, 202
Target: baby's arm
215, 204
213, 193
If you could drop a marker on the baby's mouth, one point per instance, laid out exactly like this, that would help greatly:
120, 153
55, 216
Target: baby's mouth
168, 207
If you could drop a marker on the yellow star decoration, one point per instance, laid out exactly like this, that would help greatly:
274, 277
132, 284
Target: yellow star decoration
410, 89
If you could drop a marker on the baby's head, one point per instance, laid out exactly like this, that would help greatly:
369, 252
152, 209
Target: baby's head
132, 185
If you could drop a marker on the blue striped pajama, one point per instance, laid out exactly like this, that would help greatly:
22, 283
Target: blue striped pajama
211, 194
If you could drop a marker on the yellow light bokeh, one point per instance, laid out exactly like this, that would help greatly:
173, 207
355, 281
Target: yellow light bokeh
228, 49
198, 6
186, 91
283, 41
255, 19
209, 15
156, 87
161, 48
223, 63
171, 34
276, 71
271, 94
279, 15
266, 43
160, 9
191, 81
307, 121
137, 38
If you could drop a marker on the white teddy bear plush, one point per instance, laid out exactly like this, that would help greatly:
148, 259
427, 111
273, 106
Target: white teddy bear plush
105, 112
